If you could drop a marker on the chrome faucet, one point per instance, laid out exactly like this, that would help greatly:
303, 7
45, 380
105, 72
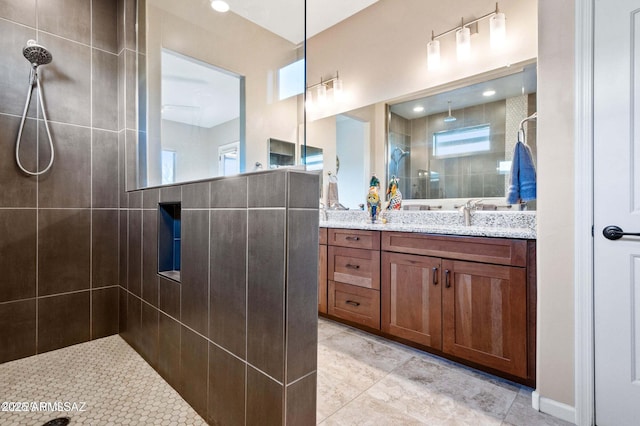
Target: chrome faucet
466, 210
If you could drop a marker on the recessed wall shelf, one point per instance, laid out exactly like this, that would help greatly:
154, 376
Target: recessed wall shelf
169, 240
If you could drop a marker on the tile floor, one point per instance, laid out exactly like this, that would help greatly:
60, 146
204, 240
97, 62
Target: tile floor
362, 380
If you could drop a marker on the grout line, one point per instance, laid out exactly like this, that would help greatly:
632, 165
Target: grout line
302, 378
91, 170
62, 123
37, 203
246, 304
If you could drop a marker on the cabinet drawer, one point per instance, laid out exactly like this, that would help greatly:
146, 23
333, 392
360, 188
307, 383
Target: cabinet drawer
322, 279
354, 266
500, 251
322, 236
357, 304
354, 238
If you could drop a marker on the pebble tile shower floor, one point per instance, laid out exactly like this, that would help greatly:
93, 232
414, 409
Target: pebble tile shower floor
362, 380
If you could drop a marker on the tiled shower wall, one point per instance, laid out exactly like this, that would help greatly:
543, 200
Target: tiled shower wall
237, 335
59, 231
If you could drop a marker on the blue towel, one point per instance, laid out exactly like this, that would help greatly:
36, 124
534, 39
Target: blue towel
522, 183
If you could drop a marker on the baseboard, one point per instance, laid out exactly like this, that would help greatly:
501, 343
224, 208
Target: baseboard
553, 408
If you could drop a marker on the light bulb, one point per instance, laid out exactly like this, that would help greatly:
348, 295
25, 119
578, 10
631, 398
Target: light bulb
338, 92
220, 6
322, 94
463, 43
433, 55
309, 101
498, 30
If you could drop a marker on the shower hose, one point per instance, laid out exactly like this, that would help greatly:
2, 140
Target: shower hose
34, 79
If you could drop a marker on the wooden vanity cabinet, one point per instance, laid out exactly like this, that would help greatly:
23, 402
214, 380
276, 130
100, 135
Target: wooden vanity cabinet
354, 276
472, 310
485, 315
322, 271
412, 298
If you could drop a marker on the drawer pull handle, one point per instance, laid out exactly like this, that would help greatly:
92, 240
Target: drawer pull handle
350, 266
352, 238
447, 279
352, 303
435, 276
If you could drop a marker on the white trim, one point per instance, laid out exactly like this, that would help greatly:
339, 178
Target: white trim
557, 409
584, 411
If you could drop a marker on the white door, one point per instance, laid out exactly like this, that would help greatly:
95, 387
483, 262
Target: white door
617, 202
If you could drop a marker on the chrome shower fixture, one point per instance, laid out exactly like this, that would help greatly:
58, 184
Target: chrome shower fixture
449, 118
36, 55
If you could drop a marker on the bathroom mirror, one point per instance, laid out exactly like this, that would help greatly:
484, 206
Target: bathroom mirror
281, 153
380, 54
459, 143
204, 75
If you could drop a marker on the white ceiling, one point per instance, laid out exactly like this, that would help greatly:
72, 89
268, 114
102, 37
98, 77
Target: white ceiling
196, 93
284, 17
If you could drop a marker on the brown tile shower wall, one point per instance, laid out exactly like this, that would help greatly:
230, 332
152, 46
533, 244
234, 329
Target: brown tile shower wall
59, 231
237, 337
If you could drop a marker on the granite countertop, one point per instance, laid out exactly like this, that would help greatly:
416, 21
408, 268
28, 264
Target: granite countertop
501, 224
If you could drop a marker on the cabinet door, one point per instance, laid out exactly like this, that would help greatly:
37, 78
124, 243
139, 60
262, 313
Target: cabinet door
411, 298
484, 315
322, 279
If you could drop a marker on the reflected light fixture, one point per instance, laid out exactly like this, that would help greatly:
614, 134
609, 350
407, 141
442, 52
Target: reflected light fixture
333, 86
449, 118
220, 6
498, 35
488, 93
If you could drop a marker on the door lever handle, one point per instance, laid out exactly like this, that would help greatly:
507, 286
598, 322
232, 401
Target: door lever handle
613, 232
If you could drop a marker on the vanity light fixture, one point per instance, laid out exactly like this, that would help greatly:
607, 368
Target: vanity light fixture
488, 93
220, 6
498, 31
333, 86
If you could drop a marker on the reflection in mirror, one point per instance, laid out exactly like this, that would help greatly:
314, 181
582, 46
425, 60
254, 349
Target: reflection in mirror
281, 154
459, 143
203, 74
312, 158
200, 110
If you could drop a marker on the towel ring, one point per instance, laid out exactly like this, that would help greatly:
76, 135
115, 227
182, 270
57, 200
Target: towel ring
522, 136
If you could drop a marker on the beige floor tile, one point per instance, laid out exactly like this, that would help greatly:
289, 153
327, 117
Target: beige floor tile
523, 414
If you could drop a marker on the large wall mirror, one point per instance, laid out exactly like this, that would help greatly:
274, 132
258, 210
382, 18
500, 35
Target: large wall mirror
380, 53
215, 87
459, 143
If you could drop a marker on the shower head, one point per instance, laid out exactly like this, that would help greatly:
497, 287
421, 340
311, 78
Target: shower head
37, 55
449, 118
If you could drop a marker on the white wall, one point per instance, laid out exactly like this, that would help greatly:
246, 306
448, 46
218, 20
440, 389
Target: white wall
555, 143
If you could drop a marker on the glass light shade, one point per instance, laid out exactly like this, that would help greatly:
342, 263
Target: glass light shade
338, 92
498, 30
322, 94
433, 54
463, 43
220, 6
308, 102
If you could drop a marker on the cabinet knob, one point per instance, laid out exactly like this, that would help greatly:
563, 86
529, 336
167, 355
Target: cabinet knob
447, 278
435, 276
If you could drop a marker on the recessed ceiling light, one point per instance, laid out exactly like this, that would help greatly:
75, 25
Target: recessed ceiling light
220, 6
419, 108
488, 93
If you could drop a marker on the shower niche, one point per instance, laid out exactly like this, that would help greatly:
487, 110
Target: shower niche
169, 240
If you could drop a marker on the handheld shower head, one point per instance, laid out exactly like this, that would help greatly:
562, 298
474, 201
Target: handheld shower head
37, 55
